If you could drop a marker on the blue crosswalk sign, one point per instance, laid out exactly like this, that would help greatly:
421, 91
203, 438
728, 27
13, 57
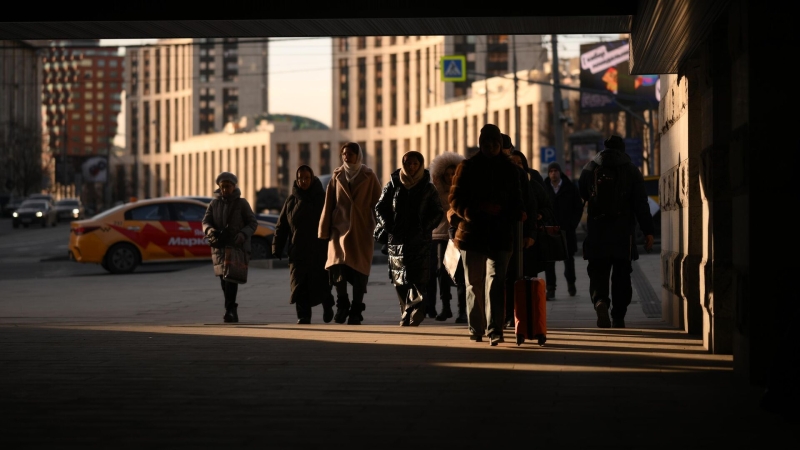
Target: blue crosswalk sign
453, 68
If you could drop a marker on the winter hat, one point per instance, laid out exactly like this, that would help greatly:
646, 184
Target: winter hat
554, 165
615, 142
227, 176
507, 141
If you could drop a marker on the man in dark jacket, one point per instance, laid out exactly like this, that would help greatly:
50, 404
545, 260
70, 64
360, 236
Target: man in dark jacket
609, 245
485, 206
568, 209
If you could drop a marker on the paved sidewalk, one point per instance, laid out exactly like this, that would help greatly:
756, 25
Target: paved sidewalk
141, 372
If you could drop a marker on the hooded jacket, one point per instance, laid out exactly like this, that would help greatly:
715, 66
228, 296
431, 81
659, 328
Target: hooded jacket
567, 207
613, 237
242, 220
406, 218
437, 169
298, 224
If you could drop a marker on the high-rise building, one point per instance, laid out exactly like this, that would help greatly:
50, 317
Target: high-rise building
81, 95
230, 81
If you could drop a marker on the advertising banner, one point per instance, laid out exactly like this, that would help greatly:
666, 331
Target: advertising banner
95, 170
606, 81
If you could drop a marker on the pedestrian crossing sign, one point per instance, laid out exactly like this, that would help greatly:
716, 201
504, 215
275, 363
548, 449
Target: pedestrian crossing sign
454, 68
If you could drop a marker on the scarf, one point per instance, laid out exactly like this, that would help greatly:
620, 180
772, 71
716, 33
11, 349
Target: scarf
409, 181
351, 171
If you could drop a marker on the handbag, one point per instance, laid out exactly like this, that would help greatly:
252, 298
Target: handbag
452, 260
551, 244
234, 266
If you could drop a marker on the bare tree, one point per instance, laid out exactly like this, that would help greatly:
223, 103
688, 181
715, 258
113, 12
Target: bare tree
21, 156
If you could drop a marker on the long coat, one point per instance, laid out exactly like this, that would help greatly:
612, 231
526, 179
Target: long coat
406, 218
613, 238
298, 224
437, 169
348, 219
567, 208
242, 220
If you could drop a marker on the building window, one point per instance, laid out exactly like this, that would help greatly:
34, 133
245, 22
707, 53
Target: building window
343, 90
378, 41
157, 78
361, 42
406, 88
393, 155
230, 104
379, 159
146, 128
147, 180
393, 89
418, 83
304, 154
361, 93
167, 117
324, 158
159, 187
157, 123
378, 91
283, 165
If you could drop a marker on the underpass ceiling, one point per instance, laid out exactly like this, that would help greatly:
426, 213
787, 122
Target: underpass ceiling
661, 49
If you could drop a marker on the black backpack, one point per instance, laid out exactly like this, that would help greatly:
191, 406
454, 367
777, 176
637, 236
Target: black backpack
609, 191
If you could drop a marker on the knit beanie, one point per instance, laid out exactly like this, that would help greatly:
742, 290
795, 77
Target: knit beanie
554, 165
227, 176
615, 142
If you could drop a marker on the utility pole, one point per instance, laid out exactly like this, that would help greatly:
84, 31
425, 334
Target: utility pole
558, 129
516, 86
264, 74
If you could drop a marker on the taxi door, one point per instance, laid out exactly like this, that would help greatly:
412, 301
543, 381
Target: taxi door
191, 242
145, 226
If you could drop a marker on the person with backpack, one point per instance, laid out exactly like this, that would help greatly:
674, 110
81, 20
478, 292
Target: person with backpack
613, 189
567, 209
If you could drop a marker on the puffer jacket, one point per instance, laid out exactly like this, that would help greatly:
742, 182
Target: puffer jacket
298, 224
406, 218
437, 169
242, 220
613, 237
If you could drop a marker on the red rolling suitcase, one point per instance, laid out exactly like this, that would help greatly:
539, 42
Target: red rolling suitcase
530, 302
530, 310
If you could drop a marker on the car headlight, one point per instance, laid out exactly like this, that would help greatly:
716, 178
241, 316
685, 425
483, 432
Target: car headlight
75, 211
39, 214
14, 214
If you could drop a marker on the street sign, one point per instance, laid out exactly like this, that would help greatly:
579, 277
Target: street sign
453, 68
548, 155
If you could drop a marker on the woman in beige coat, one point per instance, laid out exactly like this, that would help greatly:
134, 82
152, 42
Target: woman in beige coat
348, 223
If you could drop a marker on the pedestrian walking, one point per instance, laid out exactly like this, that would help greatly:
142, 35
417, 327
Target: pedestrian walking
485, 206
407, 212
298, 224
229, 221
531, 265
614, 190
442, 169
348, 223
568, 210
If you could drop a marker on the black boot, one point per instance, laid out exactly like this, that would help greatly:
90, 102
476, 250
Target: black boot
231, 315
355, 317
342, 310
446, 312
462, 315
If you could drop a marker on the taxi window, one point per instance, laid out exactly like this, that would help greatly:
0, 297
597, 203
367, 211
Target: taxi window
148, 212
188, 212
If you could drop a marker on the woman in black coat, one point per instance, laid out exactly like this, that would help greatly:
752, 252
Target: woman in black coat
407, 212
298, 224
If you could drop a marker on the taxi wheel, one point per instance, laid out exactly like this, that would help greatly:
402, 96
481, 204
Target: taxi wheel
259, 248
121, 258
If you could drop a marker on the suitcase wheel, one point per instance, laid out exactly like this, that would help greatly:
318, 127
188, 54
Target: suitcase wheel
542, 340
520, 339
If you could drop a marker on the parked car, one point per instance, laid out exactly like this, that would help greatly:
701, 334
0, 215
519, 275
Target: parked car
70, 209
154, 230
261, 244
34, 212
11, 205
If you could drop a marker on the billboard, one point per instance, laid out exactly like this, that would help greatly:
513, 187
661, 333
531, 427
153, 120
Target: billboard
606, 81
95, 169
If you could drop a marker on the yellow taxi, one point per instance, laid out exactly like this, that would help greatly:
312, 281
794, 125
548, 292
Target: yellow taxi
164, 229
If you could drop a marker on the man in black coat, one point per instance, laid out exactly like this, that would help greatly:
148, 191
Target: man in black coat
568, 209
609, 245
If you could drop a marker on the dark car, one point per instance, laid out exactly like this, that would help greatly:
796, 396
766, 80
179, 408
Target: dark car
69, 209
46, 197
33, 212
